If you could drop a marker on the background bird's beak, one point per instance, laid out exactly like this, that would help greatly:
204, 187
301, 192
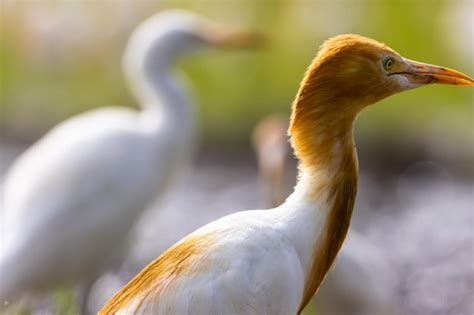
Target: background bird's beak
234, 38
425, 73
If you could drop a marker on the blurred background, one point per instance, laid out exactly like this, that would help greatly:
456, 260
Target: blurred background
416, 149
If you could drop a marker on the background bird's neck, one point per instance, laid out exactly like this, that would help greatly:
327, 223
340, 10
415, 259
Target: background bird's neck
324, 144
162, 94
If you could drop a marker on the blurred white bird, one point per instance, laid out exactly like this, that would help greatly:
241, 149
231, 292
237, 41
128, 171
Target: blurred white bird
73, 197
363, 281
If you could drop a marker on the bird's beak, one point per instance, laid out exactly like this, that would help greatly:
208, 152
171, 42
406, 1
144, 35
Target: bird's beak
423, 73
234, 38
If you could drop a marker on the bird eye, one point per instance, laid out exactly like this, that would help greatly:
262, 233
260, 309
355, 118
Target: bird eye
388, 63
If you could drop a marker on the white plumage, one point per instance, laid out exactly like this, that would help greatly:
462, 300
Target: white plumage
269, 265
73, 197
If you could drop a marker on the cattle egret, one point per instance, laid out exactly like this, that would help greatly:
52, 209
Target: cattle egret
273, 261
73, 197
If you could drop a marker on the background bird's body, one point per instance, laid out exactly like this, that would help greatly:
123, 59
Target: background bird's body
70, 180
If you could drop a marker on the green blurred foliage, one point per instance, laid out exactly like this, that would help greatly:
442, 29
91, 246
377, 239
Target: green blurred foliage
233, 89
64, 301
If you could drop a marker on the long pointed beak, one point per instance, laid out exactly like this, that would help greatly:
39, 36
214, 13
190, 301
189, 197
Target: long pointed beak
426, 73
234, 38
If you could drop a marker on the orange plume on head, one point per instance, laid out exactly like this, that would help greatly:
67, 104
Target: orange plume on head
349, 73
345, 70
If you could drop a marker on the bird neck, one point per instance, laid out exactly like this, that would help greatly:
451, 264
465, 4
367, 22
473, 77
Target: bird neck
161, 93
322, 138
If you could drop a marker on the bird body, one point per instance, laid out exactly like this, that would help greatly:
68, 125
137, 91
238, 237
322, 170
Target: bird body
273, 261
250, 262
72, 199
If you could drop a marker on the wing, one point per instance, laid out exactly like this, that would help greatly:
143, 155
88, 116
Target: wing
236, 265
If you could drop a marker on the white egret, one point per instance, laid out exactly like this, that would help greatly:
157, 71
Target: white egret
73, 197
273, 261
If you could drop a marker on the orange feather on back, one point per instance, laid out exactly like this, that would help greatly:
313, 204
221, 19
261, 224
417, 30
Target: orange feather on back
183, 257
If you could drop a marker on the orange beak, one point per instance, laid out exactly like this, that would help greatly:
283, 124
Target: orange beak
423, 73
234, 38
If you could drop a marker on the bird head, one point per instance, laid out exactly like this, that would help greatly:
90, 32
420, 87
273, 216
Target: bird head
349, 73
159, 41
170, 34
363, 71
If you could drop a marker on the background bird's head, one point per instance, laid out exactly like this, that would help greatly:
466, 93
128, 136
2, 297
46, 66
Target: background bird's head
173, 33
159, 41
357, 71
